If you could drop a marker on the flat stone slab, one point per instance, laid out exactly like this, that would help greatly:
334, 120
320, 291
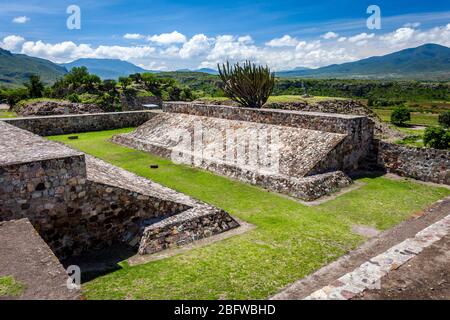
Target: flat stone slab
20, 146
26, 257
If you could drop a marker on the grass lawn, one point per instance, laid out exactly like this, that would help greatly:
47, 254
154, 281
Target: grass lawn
417, 118
7, 114
289, 242
9, 287
281, 99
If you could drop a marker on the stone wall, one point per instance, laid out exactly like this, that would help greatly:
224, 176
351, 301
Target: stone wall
71, 213
298, 157
348, 154
418, 163
133, 103
69, 199
66, 124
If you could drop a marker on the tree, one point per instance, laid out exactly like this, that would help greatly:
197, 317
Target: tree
400, 116
152, 83
124, 82
249, 85
444, 119
35, 86
437, 137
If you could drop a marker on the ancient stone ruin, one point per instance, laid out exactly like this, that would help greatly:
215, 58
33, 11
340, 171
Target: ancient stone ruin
77, 202
311, 150
56, 202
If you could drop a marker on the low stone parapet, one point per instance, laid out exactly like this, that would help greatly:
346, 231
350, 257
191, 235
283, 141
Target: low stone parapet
424, 164
66, 124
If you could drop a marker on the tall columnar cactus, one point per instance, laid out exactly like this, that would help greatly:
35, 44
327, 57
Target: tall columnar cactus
249, 85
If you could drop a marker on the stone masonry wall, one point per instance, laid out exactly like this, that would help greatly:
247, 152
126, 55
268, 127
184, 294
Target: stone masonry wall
347, 155
418, 163
66, 124
73, 214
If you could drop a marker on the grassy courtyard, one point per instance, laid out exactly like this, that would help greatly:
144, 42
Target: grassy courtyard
289, 242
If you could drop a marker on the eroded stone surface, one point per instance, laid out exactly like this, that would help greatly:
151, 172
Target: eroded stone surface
299, 153
26, 257
78, 203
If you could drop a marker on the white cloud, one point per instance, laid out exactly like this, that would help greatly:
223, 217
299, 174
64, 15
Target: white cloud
67, 51
12, 43
168, 38
330, 35
197, 45
399, 36
361, 39
412, 25
205, 51
21, 20
285, 41
133, 36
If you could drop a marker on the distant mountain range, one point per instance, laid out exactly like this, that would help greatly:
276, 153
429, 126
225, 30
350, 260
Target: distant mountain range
107, 68
427, 62
203, 70
15, 69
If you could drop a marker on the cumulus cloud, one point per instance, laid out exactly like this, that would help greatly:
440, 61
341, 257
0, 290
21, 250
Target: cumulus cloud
285, 41
21, 20
168, 38
198, 45
12, 43
68, 51
133, 36
399, 36
330, 35
361, 39
173, 51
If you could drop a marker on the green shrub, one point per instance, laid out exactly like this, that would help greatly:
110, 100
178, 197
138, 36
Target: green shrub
444, 119
35, 86
249, 85
74, 98
437, 138
400, 116
13, 96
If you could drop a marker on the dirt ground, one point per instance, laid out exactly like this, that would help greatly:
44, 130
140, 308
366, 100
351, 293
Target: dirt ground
425, 277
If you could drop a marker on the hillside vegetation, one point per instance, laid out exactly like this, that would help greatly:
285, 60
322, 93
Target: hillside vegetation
15, 69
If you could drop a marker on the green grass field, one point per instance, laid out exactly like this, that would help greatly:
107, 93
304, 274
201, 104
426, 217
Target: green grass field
289, 242
280, 99
417, 118
7, 114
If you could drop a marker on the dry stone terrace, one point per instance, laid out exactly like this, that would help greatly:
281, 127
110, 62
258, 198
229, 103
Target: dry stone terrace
78, 203
310, 149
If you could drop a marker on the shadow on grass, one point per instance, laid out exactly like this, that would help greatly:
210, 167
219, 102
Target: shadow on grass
96, 263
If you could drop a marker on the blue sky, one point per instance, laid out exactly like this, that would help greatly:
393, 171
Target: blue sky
232, 30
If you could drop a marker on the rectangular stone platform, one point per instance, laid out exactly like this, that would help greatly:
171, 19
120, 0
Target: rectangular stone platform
307, 161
